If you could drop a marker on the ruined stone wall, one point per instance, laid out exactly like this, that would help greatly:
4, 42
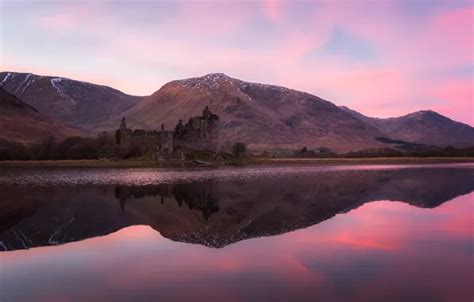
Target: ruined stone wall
123, 138
145, 141
166, 142
140, 142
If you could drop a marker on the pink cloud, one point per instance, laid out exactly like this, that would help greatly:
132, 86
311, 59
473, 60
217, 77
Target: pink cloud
206, 20
272, 9
453, 31
457, 99
70, 18
59, 22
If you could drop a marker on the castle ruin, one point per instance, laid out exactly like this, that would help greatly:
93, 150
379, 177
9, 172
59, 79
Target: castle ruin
198, 133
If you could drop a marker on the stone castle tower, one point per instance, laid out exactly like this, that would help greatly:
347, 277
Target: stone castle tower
199, 133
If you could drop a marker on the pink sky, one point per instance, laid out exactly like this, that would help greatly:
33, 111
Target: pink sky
383, 58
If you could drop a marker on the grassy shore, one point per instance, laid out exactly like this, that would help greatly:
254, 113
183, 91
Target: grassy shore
239, 162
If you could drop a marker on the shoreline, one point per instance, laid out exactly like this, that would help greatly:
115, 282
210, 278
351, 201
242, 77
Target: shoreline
106, 163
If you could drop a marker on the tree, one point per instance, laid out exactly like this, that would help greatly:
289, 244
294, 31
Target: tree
239, 149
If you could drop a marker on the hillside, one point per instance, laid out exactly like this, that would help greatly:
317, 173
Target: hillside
77, 103
263, 116
22, 123
422, 127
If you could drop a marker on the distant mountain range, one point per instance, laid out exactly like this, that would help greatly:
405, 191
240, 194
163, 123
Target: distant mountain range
266, 117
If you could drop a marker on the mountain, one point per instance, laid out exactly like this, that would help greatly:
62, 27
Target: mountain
422, 127
22, 123
262, 116
77, 103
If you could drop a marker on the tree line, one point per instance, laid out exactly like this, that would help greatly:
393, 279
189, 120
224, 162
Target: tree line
103, 146
388, 152
50, 148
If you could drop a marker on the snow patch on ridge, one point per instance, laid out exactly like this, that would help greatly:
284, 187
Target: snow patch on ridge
56, 83
28, 83
211, 81
6, 78
23, 82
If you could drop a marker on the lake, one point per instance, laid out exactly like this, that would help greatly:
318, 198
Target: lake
277, 233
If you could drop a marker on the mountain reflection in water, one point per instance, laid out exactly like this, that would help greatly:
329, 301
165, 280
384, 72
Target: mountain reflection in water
215, 213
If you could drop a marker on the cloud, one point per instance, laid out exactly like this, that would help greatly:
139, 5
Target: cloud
343, 42
272, 9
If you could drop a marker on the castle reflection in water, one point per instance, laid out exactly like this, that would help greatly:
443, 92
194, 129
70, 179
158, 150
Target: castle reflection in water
196, 196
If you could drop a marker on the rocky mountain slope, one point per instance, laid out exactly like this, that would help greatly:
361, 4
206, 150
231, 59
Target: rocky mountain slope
422, 127
262, 116
77, 103
22, 123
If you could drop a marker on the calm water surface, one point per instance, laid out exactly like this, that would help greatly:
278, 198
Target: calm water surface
335, 233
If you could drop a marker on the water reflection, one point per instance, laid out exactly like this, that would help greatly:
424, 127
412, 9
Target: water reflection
382, 251
215, 213
200, 196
